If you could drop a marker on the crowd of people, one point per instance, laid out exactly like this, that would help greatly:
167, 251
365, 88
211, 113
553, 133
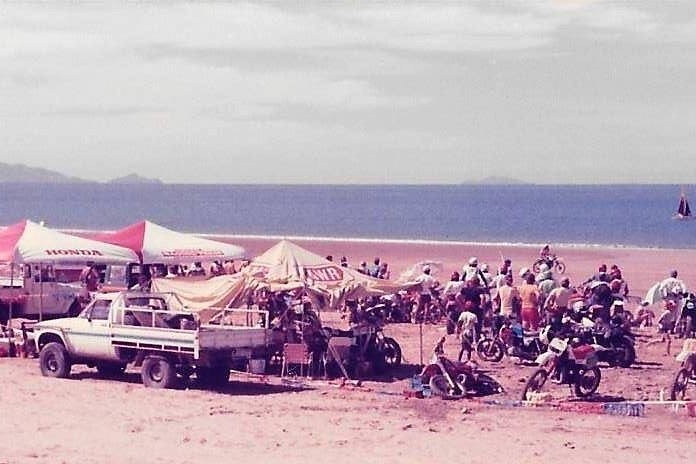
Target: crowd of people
476, 297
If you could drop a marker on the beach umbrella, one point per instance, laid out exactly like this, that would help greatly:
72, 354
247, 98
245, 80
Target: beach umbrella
654, 295
157, 244
29, 242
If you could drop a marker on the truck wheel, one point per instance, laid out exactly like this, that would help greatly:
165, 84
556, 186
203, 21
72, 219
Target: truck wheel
217, 376
110, 369
157, 372
54, 361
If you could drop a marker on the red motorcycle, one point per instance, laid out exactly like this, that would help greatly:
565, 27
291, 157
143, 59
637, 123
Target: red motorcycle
451, 379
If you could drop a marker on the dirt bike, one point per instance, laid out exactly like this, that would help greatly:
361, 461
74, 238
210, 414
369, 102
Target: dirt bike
450, 379
686, 375
552, 261
563, 363
511, 340
368, 344
619, 344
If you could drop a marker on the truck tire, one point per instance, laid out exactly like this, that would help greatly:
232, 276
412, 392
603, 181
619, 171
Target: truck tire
110, 370
217, 376
54, 361
157, 372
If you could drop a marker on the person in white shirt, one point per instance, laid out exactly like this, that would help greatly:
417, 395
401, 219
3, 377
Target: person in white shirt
427, 283
466, 327
672, 288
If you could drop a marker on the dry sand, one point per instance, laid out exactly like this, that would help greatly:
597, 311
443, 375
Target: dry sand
86, 419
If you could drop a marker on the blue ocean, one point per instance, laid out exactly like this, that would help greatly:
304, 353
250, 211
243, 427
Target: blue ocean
608, 215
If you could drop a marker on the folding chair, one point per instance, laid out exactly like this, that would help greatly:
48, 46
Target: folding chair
294, 353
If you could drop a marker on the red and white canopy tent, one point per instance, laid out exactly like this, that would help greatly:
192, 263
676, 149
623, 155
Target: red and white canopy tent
27, 242
156, 244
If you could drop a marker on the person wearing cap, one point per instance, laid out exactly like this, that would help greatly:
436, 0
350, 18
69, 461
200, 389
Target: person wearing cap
427, 284
471, 270
524, 272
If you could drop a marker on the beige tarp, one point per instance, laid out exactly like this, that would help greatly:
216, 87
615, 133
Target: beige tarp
284, 266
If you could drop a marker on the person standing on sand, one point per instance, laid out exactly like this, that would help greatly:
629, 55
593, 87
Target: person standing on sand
508, 299
474, 294
466, 328
529, 295
472, 270
672, 288
556, 304
427, 283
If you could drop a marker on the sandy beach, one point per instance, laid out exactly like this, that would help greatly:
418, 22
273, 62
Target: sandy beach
87, 419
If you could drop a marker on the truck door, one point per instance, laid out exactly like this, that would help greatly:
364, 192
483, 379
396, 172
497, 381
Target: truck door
91, 335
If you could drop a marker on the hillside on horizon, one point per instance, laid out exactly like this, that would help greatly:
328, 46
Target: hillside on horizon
23, 174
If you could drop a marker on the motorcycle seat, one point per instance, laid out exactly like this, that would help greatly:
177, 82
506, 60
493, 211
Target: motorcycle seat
530, 333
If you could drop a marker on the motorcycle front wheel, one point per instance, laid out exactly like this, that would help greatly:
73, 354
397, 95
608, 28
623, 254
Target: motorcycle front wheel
681, 382
392, 352
490, 350
587, 381
535, 383
560, 267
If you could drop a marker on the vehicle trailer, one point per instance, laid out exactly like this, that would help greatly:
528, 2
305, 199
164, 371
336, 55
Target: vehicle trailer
155, 332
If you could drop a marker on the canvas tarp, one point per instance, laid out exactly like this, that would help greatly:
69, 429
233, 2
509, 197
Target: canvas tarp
287, 266
156, 244
29, 242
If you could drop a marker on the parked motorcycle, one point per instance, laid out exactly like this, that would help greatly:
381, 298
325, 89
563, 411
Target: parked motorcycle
619, 343
368, 344
686, 375
568, 364
686, 325
553, 262
615, 336
513, 341
452, 379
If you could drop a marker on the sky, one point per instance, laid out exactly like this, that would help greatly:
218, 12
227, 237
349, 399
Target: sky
352, 92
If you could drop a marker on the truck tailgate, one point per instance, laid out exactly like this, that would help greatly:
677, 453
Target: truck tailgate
222, 337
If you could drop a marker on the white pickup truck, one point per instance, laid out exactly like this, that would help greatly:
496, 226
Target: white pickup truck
153, 331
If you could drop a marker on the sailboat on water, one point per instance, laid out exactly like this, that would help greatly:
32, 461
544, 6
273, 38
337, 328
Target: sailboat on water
683, 211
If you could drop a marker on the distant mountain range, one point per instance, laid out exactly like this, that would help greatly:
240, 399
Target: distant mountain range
20, 173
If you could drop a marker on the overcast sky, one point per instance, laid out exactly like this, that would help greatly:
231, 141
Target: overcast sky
352, 92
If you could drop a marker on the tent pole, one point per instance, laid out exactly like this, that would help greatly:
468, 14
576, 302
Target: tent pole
12, 289
40, 293
420, 338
